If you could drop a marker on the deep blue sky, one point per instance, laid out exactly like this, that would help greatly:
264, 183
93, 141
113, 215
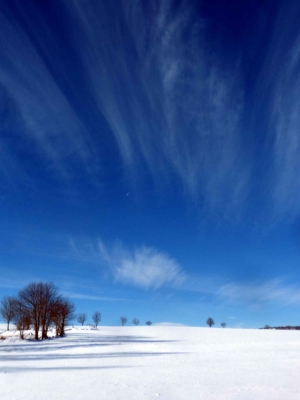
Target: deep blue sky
150, 157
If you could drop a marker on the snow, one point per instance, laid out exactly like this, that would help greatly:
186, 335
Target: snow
169, 362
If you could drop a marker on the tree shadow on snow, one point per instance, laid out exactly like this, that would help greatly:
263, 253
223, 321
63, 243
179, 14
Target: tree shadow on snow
62, 356
72, 341
9, 370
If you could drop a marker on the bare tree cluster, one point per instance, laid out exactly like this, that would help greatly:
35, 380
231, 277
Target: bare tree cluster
135, 321
82, 317
38, 305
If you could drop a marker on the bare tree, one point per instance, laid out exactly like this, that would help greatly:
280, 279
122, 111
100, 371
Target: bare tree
62, 313
7, 309
22, 318
81, 318
210, 322
148, 323
30, 298
38, 299
223, 324
123, 320
96, 318
48, 302
135, 321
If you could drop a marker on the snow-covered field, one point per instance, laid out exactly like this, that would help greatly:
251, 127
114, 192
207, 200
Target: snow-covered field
149, 362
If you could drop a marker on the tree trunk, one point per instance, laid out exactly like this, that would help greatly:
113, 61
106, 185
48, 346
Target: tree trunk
36, 332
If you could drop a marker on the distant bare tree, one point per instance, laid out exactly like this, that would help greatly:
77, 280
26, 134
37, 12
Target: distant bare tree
123, 320
148, 323
96, 318
81, 318
7, 309
135, 321
210, 322
223, 324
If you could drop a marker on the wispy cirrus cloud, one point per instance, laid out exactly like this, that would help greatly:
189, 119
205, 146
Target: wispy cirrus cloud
169, 100
174, 103
143, 267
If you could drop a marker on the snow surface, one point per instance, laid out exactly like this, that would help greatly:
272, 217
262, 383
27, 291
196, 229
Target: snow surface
149, 362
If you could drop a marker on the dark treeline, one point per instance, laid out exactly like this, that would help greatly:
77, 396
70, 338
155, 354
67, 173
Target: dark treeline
38, 305
287, 328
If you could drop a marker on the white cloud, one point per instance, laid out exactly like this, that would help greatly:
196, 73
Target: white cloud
143, 267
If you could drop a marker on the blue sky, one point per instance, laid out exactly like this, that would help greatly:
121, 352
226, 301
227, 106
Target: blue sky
149, 157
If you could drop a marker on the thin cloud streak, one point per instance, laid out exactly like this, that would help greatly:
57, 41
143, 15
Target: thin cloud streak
52, 128
275, 291
81, 296
13, 280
